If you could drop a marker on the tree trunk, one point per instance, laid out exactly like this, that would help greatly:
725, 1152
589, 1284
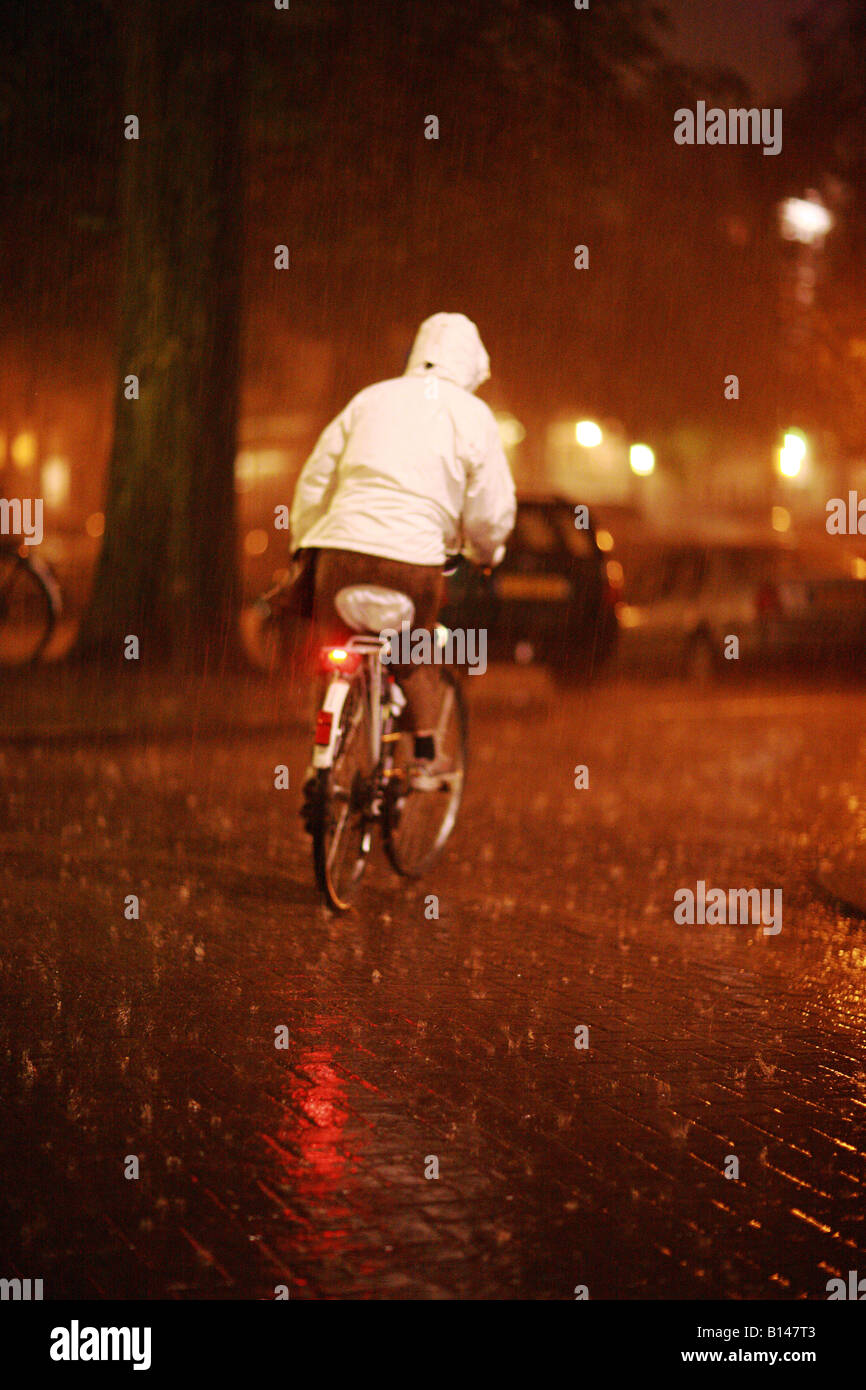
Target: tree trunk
168, 568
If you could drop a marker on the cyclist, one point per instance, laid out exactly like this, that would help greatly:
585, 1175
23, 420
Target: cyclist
412, 469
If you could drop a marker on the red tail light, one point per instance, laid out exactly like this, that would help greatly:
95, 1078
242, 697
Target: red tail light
339, 659
324, 720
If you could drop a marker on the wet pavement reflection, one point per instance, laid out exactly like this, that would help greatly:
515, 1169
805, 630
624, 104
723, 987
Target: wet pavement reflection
412, 1037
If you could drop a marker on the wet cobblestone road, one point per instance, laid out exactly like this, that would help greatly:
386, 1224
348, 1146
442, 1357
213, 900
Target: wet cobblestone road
411, 1039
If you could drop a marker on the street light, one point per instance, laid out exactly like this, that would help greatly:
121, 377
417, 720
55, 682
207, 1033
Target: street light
23, 449
511, 432
54, 481
588, 434
642, 460
792, 453
806, 220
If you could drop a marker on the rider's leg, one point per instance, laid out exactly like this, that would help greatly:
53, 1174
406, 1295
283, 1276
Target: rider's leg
420, 685
423, 584
431, 764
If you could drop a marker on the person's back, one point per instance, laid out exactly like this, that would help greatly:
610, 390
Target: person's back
402, 478
411, 469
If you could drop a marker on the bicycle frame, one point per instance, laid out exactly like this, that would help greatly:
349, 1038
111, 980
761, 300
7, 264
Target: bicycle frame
370, 650
347, 797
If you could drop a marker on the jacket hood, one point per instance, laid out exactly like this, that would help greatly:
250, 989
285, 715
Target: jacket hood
450, 345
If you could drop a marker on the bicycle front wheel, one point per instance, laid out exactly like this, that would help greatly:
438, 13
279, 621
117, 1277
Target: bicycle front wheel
340, 803
417, 823
26, 612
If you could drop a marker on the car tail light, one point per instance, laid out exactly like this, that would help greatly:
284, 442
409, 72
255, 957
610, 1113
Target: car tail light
768, 604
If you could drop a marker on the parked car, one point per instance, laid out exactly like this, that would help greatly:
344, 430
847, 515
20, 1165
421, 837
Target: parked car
785, 603
552, 601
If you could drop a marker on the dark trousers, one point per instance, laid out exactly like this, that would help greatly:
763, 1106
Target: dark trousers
423, 584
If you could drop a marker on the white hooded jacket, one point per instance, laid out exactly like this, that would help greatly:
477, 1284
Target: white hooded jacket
413, 467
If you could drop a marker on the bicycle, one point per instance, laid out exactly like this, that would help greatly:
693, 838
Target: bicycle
30, 605
361, 755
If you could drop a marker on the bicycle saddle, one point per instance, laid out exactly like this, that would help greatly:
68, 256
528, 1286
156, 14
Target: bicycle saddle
371, 608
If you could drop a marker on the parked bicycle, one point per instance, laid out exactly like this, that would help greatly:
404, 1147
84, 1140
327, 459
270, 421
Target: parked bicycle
362, 756
30, 604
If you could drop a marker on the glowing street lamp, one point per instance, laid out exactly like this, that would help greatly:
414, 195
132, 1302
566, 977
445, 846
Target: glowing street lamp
588, 434
806, 220
23, 449
511, 432
55, 481
642, 460
792, 454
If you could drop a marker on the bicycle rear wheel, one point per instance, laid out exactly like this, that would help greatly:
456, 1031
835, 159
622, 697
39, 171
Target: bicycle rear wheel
26, 612
417, 824
340, 802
